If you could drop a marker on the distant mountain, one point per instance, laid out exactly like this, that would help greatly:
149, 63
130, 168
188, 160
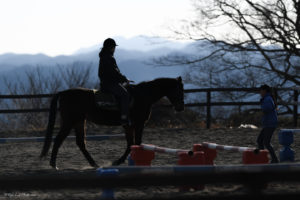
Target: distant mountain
133, 63
139, 43
11, 61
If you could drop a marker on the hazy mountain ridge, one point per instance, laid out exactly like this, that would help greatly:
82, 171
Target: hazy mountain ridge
132, 62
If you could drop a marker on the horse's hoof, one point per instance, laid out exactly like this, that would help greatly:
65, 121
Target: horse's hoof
116, 163
95, 166
55, 168
53, 165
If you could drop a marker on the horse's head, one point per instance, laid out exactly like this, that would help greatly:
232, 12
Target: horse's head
176, 95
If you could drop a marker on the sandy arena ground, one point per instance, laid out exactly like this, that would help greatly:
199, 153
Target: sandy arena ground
23, 157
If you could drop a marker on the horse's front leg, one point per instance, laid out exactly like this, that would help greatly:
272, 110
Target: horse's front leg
129, 134
138, 134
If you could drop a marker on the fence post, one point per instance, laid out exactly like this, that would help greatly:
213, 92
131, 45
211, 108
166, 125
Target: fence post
208, 110
296, 94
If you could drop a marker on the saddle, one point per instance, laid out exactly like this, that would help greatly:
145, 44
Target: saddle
105, 100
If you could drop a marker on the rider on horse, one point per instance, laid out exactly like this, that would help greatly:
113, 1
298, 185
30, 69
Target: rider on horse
111, 79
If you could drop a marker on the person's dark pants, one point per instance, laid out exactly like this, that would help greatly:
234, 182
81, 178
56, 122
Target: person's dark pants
121, 95
264, 140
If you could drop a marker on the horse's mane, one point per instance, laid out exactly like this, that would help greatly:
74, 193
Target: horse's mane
161, 83
157, 81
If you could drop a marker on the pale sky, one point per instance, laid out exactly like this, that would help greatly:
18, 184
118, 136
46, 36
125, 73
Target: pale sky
57, 27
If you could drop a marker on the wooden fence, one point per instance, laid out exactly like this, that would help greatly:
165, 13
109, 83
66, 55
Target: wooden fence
208, 104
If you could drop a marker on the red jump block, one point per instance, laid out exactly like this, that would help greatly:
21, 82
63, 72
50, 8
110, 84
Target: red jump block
250, 157
209, 154
191, 158
140, 156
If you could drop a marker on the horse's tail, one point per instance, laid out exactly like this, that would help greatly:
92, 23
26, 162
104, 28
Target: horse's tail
51, 123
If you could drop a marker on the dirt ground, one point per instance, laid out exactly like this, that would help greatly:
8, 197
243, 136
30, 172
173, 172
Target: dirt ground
19, 158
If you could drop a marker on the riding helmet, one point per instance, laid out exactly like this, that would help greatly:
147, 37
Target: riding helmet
109, 42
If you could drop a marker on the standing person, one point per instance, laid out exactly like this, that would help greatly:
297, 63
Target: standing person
269, 121
111, 79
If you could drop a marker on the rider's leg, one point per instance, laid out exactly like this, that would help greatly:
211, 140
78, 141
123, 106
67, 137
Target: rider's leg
267, 143
123, 97
260, 139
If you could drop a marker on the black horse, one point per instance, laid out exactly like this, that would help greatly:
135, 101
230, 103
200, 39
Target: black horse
78, 105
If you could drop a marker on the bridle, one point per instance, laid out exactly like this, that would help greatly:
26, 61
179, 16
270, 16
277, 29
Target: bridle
173, 98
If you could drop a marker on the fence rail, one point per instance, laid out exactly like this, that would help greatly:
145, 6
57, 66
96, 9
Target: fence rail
208, 104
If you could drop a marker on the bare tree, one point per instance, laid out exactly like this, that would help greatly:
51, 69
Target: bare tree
42, 80
77, 74
263, 35
241, 43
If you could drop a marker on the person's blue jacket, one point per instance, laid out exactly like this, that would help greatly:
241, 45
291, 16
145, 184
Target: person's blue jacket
268, 107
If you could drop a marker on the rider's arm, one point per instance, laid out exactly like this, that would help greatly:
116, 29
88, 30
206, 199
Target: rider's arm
110, 69
267, 104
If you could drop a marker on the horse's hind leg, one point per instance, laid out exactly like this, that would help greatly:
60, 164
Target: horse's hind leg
80, 141
61, 136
